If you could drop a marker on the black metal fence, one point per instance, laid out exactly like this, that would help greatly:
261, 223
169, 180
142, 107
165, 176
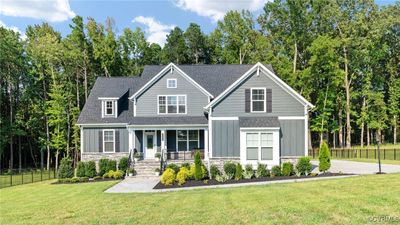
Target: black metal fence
386, 153
14, 177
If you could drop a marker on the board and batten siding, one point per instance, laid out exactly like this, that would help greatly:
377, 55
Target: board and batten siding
147, 101
292, 137
91, 139
139, 140
283, 104
225, 138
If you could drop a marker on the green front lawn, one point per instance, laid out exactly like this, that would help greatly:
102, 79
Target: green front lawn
393, 162
340, 201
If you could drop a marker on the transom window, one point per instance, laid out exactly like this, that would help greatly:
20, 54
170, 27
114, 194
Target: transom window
259, 146
187, 139
109, 140
172, 104
109, 108
171, 83
258, 100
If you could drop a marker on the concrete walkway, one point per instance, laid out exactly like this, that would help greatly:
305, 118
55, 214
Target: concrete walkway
139, 185
357, 167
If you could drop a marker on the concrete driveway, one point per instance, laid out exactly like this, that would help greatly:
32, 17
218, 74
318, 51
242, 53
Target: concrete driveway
357, 167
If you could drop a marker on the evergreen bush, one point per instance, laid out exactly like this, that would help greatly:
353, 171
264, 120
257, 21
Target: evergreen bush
276, 171
168, 177
304, 166
229, 167
197, 166
80, 169
238, 172
123, 164
65, 170
262, 171
90, 169
287, 169
324, 158
214, 171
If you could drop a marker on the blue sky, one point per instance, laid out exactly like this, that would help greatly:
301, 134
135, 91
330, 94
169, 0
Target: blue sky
155, 17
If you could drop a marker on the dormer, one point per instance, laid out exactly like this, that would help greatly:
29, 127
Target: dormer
109, 107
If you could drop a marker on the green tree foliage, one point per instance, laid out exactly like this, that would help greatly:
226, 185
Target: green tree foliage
195, 42
324, 158
175, 49
65, 170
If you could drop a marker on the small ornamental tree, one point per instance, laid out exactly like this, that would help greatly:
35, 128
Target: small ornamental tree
324, 158
65, 170
197, 166
239, 172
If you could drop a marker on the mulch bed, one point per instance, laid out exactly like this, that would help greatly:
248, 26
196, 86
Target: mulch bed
89, 181
196, 183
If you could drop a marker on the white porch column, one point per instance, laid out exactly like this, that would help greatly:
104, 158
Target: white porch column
163, 140
206, 153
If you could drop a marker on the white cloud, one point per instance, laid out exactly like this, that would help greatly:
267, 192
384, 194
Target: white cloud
155, 30
13, 28
216, 9
49, 10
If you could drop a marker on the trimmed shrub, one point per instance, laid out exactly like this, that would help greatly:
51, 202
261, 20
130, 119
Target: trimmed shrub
83, 179
182, 175
229, 168
64, 180
238, 172
214, 171
168, 177
65, 170
204, 171
106, 165
119, 174
324, 158
287, 169
90, 169
262, 171
80, 169
304, 166
222, 178
186, 164
112, 165
123, 164
109, 174
249, 168
174, 167
74, 180
197, 166
276, 171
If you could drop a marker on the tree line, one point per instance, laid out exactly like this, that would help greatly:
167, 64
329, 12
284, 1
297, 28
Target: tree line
343, 56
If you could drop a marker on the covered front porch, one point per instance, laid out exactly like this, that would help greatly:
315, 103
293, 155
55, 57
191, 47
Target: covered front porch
174, 142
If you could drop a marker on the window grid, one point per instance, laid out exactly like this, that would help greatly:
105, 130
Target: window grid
109, 141
258, 98
187, 139
109, 109
172, 104
171, 83
259, 146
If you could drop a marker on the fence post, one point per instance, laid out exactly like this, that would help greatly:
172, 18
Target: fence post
384, 153
22, 175
32, 175
367, 152
394, 150
54, 173
11, 179
41, 174
49, 172
374, 153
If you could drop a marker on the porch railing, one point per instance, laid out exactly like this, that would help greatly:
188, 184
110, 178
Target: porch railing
184, 155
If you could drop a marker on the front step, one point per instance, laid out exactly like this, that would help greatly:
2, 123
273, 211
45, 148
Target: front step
145, 168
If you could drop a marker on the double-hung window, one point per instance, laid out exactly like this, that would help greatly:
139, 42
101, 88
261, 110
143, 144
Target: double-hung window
258, 100
109, 108
259, 146
187, 139
172, 104
109, 140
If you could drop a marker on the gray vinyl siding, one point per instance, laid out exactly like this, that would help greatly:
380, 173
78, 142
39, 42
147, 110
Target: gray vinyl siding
196, 100
292, 137
139, 140
225, 138
91, 139
283, 104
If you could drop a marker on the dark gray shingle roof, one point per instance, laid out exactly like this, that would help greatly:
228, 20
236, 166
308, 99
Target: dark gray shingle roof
259, 122
214, 78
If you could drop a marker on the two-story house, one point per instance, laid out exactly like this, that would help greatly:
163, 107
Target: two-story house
228, 112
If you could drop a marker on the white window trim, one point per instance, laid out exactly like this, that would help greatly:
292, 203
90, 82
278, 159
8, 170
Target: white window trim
104, 146
187, 140
166, 105
275, 147
104, 108
251, 99
173, 79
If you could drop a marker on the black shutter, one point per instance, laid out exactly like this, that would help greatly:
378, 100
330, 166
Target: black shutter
247, 100
269, 100
117, 141
100, 141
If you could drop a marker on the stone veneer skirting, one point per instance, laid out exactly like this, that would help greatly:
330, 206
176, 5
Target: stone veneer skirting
96, 156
